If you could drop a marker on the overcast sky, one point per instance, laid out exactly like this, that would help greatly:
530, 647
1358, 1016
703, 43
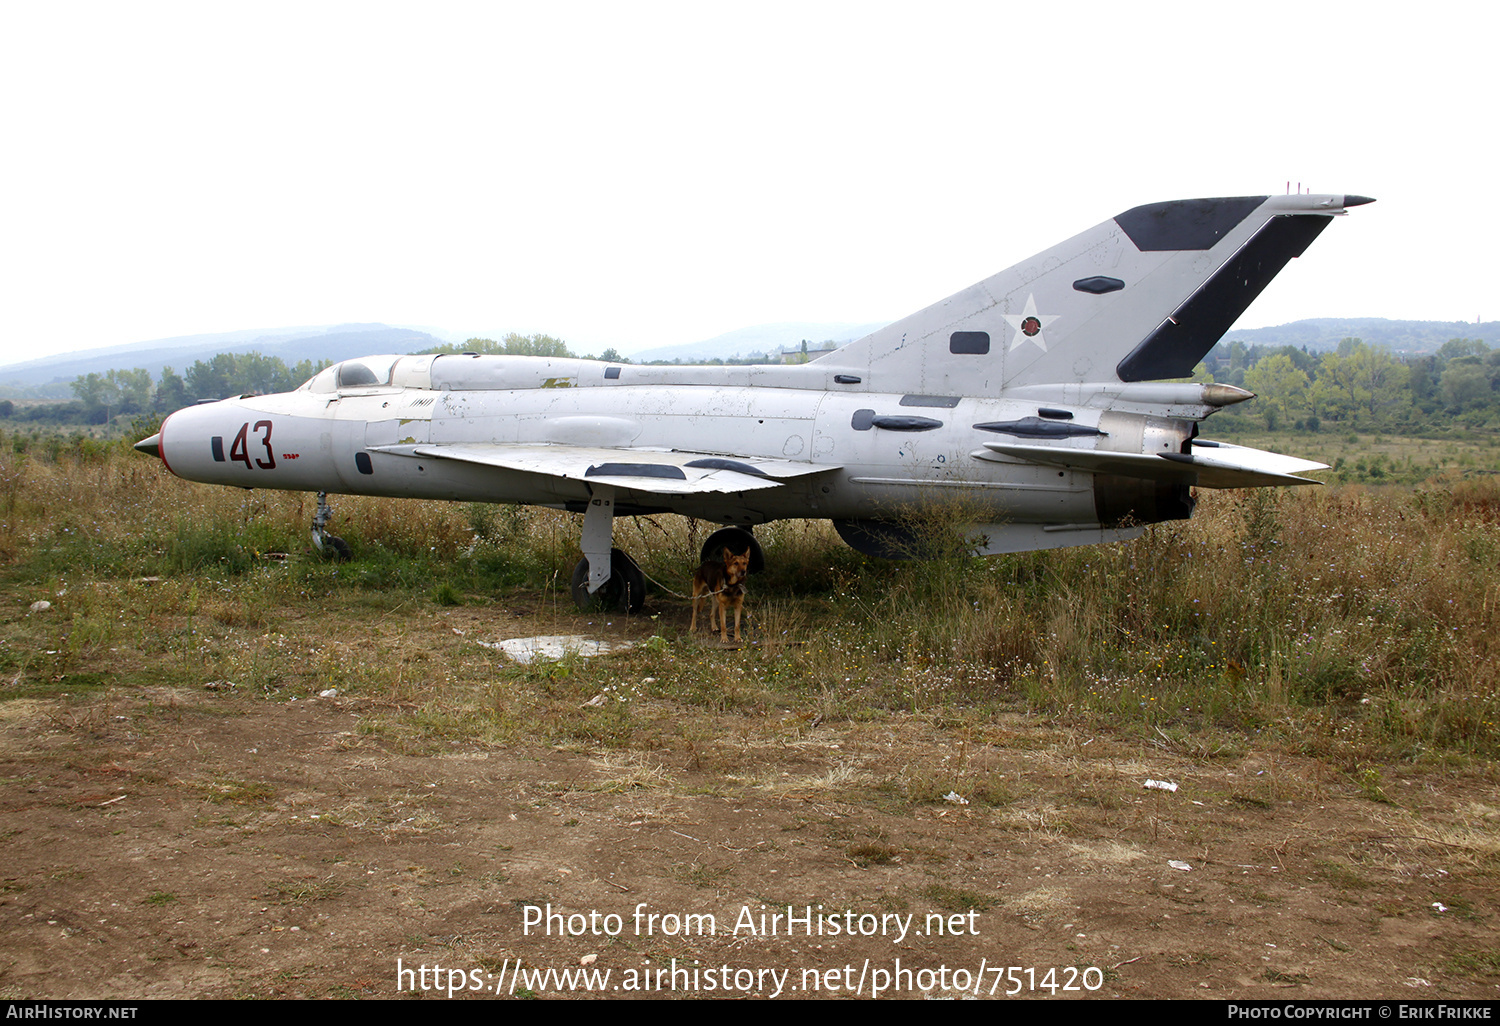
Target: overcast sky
643, 174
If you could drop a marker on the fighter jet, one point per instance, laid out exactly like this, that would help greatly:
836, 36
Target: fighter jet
1050, 399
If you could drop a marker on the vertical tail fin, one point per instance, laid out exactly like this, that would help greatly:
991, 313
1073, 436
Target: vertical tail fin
1141, 297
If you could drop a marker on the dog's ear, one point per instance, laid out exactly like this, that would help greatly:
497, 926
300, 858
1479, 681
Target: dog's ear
727, 554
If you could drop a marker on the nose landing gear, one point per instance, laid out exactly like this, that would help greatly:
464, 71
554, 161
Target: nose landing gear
330, 545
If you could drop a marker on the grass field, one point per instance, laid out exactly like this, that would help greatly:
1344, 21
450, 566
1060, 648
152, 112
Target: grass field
1269, 610
1283, 648
1381, 459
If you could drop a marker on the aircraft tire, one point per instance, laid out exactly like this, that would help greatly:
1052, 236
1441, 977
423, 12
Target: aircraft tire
736, 538
340, 548
625, 591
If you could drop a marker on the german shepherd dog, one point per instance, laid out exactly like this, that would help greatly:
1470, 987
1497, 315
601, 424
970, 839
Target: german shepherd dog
726, 582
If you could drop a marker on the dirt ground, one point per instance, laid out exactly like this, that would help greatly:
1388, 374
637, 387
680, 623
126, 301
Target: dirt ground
195, 842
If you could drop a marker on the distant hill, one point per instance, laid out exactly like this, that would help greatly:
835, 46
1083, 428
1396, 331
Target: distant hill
763, 338
342, 341
292, 345
1319, 334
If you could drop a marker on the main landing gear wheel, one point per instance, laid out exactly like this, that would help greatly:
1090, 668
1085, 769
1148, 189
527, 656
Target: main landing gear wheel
625, 591
737, 539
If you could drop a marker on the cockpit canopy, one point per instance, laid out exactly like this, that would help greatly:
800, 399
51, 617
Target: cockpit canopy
365, 372
458, 372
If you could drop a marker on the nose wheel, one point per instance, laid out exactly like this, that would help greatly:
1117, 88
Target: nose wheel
330, 545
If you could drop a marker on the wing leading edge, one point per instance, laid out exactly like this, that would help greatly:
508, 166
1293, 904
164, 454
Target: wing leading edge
660, 472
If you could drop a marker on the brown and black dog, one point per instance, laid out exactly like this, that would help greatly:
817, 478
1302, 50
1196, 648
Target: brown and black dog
726, 582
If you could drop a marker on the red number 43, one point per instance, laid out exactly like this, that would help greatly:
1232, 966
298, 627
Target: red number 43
240, 450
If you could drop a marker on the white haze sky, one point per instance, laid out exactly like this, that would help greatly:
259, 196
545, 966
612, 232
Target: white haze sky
643, 174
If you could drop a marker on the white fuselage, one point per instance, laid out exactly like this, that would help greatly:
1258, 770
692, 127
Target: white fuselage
350, 439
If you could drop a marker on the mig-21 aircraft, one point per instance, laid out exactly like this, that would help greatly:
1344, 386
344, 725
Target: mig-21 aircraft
1047, 398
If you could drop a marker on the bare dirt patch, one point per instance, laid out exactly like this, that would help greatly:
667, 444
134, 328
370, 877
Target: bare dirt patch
235, 842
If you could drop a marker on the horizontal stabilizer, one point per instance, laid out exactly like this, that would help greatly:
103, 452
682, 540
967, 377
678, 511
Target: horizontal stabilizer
1221, 465
640, 470
1218, 465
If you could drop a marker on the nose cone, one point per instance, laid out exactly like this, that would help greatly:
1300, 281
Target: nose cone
150, 446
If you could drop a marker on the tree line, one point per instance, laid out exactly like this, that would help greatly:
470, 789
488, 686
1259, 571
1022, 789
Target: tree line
1354, 387
99, 398
523, 345
1360, 387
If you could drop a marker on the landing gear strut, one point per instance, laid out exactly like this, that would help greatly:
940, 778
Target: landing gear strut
328, 544
605, 578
